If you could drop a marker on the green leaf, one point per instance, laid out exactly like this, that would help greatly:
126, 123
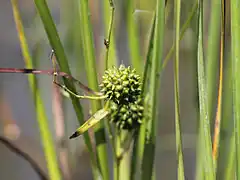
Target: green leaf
133, 38
205, 144
212, 54
61, 58
235, 39
152, 124
48, 144
139, 140
92, 77
179, 151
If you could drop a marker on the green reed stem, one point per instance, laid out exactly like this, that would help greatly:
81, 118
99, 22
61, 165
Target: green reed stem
90, 65
61, 58
204, 118
212, 54
151, 126
109, 33
177, 8
183, 30
48, 144
235, 39
139, 141
133, 38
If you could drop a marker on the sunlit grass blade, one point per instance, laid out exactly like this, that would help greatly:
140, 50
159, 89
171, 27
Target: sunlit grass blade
139, 141
235, 39
92, 77
56, 44
204, 131
200, 156
133, 38
229, 172
167, 11
152, 124
183, 30
179, 152
48, 144
121, 170
225, 167
220, 89
212, 55
135, 58
96, 118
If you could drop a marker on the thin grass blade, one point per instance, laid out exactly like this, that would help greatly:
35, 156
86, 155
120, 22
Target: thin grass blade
179, 151
48, 144
139, 141
92, 77
152, 124
220, 89
213, 55
183, 30
61, 58
205, 135
235, 39
133, 38
225, 168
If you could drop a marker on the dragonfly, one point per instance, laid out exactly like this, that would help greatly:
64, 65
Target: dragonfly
131, 109
119, 87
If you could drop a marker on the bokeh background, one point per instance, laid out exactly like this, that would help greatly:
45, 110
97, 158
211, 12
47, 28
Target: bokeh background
17, 116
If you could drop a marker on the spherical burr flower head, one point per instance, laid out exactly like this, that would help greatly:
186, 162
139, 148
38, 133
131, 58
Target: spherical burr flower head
122, 86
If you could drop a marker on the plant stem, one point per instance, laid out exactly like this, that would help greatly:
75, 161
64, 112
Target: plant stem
183, 30
212, 55
204, 118
220, 88
139, 140
107, 41
90, 65
118, 159
151, 127
180, 164
235, 44
61, 58
25, 156
133, 38
48, 144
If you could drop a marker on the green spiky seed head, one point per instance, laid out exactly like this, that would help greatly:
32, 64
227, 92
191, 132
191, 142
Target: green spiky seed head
122, 86
127, 116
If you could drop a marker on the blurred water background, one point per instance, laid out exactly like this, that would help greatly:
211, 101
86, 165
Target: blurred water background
17, 104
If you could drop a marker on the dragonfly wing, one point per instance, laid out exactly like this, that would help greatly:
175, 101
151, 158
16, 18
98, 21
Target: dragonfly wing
98, 116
